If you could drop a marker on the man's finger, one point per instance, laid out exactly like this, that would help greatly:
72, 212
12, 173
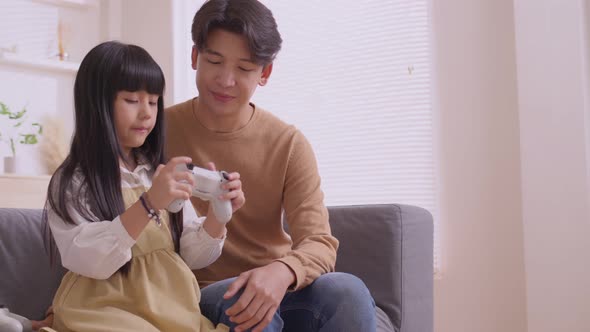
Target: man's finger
236, 285
256, 319
248, 316
242, 303
266, 320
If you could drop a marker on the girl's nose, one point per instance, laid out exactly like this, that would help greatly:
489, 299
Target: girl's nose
145, 110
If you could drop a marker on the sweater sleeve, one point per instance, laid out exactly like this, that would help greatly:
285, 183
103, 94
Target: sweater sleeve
314, 247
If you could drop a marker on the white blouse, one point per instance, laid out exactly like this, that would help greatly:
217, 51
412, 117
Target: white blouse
98, 249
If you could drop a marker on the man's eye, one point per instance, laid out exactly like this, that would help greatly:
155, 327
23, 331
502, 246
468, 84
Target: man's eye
213, 62
245, 69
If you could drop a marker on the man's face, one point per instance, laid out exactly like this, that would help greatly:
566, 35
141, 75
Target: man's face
227, 76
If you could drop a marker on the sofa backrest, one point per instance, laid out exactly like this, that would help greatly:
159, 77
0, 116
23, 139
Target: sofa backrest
389, 247
27, 280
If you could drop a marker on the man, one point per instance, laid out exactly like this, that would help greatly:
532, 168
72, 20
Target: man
266, 279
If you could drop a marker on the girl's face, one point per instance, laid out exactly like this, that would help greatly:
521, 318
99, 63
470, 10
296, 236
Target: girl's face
135, 117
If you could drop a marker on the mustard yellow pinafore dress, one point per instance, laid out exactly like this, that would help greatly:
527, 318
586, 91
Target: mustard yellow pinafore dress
160, 293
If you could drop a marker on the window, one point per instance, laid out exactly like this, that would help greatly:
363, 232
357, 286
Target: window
28, 28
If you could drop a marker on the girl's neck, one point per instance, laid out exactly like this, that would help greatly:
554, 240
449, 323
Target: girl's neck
131, 163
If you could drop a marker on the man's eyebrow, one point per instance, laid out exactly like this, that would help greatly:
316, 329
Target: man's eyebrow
210, 51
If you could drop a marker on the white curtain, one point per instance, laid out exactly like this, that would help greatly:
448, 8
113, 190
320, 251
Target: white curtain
355, 77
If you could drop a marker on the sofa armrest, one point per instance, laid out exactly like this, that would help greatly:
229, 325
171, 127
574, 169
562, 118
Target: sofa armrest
27, 281
390, 247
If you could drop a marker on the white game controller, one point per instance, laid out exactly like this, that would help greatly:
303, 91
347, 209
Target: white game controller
10, 322
208, 188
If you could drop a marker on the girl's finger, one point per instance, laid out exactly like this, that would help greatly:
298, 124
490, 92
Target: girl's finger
184, 176
158, 169
233, 185
172, 163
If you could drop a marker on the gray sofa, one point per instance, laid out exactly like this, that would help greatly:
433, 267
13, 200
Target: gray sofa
388, 246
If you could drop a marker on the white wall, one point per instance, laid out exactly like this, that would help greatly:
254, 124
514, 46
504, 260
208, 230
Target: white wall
552, 87
147, 23
483, 284
44, 92
586, 38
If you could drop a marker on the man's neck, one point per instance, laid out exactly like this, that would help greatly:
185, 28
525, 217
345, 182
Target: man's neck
222, 123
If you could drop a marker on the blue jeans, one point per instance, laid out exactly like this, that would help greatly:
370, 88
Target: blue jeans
334, 302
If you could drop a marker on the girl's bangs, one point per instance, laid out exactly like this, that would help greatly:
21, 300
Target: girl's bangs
140, 72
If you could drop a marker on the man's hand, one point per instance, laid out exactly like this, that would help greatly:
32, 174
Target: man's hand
264, 289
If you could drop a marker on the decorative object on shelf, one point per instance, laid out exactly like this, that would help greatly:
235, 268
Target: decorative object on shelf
21, 132
54, 146
63, 32
12, 49
17, 61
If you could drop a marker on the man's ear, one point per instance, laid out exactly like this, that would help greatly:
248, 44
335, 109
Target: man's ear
266, 71
194, 56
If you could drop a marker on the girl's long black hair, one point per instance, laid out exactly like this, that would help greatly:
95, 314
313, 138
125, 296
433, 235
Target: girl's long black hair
94, 155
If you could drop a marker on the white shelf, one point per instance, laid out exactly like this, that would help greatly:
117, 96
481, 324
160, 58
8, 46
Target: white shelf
70, 3
48, 65
21, 191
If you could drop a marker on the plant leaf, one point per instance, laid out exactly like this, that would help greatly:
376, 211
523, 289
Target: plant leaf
39, 127
4, 109
12, 147
18, 115
29, 139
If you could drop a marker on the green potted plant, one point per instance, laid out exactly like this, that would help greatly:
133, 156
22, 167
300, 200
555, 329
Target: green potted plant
18, 131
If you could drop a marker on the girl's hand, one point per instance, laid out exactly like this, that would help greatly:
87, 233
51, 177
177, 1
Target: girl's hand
38, 324
169, 184
234, 185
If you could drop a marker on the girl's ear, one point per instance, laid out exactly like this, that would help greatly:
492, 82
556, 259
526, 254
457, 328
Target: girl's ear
264, 76
194, 56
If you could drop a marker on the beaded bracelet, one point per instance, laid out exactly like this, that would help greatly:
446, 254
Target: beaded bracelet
152, 214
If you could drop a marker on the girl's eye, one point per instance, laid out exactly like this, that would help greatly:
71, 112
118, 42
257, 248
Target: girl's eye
153, 103
213, 62
131, 101
245, 69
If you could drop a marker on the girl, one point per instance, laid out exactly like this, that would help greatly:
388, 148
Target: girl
129, 260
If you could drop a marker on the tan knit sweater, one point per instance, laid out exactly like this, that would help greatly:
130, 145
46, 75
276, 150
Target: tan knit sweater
278, 171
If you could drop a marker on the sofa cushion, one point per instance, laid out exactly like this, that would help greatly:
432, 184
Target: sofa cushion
28, 282
383, 322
